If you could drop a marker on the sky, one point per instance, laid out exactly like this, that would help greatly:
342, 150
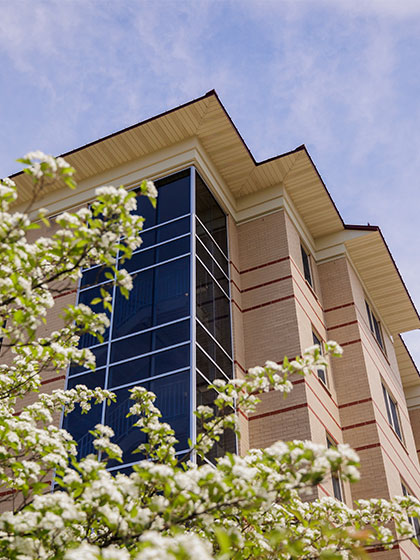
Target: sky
340, 76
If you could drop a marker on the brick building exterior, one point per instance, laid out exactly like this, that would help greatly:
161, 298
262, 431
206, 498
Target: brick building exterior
298, 275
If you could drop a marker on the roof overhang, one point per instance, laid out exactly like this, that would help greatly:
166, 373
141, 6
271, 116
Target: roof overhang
206, 119
410, 375
381, 277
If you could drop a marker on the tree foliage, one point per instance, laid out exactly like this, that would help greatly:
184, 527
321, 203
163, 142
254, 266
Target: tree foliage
240, 508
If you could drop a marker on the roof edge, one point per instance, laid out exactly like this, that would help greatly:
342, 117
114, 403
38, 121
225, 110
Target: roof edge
398, 272
409, 355
362, 227
324, 185
369, 228
131, 127
301, 148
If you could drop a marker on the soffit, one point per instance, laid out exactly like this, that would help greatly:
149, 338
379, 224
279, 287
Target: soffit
410, 375
207, 120
383, 282
311, 198
127, 145
295, 171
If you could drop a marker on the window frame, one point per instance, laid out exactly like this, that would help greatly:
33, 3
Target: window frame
414, 521
321, 372
393, 414
306, 265
337, 483
375, 326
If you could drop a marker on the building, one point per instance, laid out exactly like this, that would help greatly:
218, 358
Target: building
244, 262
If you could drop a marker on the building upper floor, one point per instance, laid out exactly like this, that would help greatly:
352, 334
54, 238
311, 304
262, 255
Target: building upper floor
201, 133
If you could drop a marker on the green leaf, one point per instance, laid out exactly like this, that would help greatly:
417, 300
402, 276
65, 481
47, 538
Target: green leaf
223, 540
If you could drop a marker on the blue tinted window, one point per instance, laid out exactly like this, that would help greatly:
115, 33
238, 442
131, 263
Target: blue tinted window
135, 313
171, 334
146, 210
139, 260
94, 276
142, 348
131, 346
149, 341
91, 379
100, 353
212, 248
173, 200
213, 308
164, 233
159, 295
86, 297
214, 351
174, 229
173, 196
227, 441
176, 358
210, 213
127, 436
149, 257
172, 287
173, 400
149, 366
129, 372
79, 424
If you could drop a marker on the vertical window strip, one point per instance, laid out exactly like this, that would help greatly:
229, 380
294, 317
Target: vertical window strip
105, 412
414, 521
375, 326
336, 480
322, 374
306, 266
208, 212
392, 412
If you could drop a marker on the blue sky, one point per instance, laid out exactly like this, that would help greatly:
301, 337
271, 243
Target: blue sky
341, 76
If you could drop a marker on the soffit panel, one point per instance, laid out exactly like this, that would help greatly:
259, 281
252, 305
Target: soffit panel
310, 198
409, 373
383, 282
268, 174
225, 147
127, 145
206, 119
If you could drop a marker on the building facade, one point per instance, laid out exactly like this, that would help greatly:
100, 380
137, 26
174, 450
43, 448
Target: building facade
243, 262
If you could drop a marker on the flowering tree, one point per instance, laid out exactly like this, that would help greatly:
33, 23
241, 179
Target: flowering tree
242, 508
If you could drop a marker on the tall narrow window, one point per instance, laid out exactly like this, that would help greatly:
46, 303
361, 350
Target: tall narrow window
336, 480
306, 261
148, 341
414, 521
320, 371
375, 326
392, 412
213, 321
177, 317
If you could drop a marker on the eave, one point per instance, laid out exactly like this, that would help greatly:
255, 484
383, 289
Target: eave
383, 282
206, 119
410, 375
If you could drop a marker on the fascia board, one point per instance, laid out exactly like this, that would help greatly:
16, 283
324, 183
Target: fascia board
158, 164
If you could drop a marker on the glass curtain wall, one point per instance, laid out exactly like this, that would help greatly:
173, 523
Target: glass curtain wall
152, 334
213, 319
